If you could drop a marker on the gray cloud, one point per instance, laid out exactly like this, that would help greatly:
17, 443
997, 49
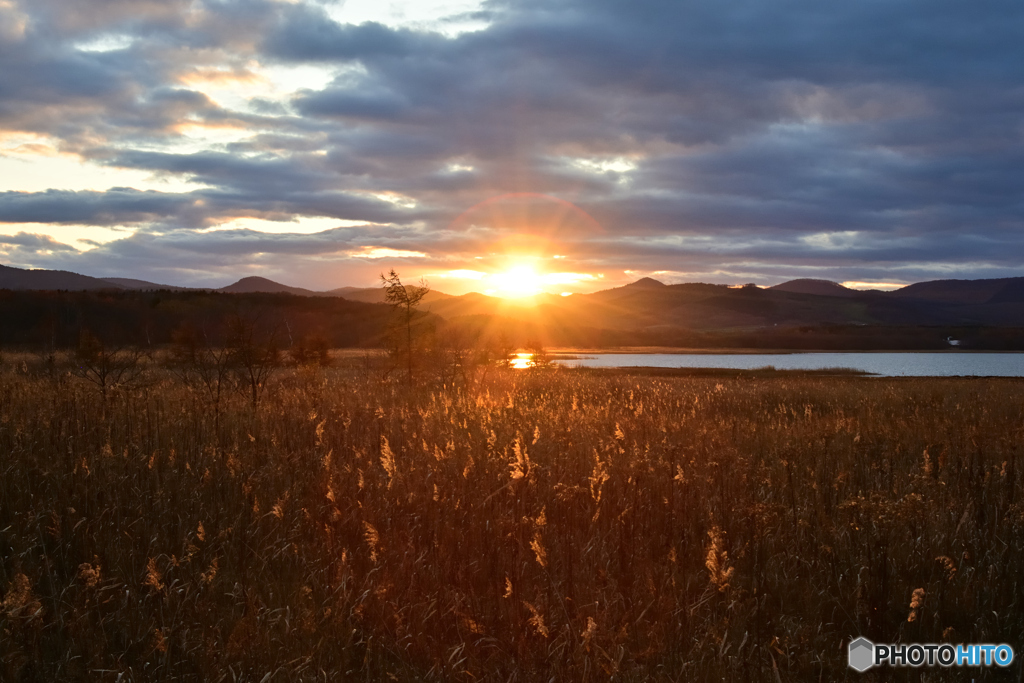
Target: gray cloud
34, 242
772, 138
117, 206
305, 33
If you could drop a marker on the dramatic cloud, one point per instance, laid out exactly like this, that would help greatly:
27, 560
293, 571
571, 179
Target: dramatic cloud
320, 142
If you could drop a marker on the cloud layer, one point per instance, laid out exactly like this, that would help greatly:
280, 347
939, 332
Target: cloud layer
748, 141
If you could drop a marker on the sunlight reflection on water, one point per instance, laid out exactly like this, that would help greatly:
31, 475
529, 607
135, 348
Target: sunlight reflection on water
885, 364
521, 361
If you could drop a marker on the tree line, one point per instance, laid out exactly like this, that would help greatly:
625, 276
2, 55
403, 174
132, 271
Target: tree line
216, 349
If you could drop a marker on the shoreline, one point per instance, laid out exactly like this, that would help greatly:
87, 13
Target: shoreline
676, 351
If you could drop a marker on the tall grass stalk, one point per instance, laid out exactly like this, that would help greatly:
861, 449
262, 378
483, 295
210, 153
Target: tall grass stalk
541, 525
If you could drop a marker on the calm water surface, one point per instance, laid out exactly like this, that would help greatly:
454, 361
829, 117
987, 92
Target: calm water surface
941, 364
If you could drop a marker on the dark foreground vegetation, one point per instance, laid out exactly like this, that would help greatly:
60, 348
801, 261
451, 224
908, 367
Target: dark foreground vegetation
521, 526
35, 320
55, 320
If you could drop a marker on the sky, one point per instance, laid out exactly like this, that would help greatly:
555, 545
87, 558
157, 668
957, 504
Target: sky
513, 146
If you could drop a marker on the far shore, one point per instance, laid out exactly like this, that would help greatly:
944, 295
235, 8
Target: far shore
640, 350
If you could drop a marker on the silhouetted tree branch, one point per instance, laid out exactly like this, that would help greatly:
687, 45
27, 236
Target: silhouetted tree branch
254, 353
105, 368
404, 301
200, 363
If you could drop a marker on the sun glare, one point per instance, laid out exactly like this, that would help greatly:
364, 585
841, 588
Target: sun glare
518, 281
521, 361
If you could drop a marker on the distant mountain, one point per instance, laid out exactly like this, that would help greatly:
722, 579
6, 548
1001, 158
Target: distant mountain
668, 311
369, 294
646, 283
250, 285
819, 287
957, 291
649, 311
18, 278
1011, 292
128, 283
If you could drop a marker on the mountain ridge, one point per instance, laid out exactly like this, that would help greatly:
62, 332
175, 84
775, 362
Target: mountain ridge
650, 305
256, 284
815, 286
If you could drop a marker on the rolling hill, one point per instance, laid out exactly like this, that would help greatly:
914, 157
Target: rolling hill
20, 279
651, 312
142, 285
251, 285
958, 291
819, 287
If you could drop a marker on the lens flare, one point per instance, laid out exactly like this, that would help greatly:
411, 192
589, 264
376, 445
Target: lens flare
518, 281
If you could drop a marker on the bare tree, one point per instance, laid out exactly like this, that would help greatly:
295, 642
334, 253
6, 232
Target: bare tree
311, 349
104, 367
539, 358
500, 350
404, 302
199, 363
253, 352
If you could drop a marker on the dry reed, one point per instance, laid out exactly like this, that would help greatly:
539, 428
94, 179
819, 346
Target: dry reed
534, 526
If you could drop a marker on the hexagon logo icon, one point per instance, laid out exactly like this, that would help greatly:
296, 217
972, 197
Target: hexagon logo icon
862, 654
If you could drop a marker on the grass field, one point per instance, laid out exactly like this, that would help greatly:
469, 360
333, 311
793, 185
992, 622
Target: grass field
536, 525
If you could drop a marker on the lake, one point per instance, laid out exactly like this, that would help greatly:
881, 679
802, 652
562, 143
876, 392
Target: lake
908, 364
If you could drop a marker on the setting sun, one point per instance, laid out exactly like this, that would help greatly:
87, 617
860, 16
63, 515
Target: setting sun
517, 281
520, 277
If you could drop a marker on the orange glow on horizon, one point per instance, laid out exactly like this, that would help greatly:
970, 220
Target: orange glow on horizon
519, 277
887, 286
526, 234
